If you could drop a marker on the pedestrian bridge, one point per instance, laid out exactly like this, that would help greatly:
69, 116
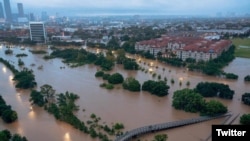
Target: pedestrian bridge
163, 126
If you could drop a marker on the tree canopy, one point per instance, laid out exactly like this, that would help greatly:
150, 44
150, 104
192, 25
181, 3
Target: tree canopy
8, 115
131, 84
245, 98
210, 89
245, 119
116, 78
25, 79
159, 88
191, 101
188, 100
213, 108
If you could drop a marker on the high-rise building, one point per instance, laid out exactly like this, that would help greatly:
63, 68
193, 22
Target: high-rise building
44, 16
8, 12
1, 11
37, 32
32, 17
20, 9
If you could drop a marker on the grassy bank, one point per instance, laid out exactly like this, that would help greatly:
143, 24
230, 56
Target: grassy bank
242, 47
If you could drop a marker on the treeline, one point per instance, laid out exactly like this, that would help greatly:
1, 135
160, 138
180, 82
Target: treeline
5, 135
62, 43
159, 88
191, 101
211, 89
25, 79
212, 67
63, 107
9, 66
7, 114
80, 57
128, 63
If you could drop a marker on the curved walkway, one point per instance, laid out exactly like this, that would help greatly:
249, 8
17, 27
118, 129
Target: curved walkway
163, 126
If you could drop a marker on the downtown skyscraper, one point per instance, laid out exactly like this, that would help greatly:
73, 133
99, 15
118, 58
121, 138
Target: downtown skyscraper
1, 11
8, 12
20, 10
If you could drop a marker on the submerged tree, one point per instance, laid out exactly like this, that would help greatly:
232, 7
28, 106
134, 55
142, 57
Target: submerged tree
48, 92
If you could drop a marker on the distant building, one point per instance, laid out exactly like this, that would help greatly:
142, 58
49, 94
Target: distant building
37, 32
1, 11
20, 10
44, 16
31, 17
185, 47
8, 12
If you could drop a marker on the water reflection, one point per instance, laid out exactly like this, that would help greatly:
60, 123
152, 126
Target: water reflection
4, 69
10, 79
18, 97
32, 114
20, 130
67, 137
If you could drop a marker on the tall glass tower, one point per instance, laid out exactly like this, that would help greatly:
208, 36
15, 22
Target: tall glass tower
20, 9
8, 12
1, 11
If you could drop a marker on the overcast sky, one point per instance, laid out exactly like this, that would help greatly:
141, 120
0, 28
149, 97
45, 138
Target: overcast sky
168, 7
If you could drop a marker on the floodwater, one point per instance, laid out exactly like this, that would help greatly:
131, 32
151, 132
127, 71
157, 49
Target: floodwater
133, 109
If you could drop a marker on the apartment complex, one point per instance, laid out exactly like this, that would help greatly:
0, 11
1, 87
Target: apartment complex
37, 32
185, 47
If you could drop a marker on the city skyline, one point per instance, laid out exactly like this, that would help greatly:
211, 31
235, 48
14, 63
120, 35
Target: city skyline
130, 7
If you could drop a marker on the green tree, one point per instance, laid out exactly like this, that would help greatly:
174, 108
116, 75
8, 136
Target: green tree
245, 98
20, 62
247, 78
210, 89
5, 135
37, 98
213, 108
130, 64
161, 137
48, 92
9, 116
245, 119
99, 74
116, 78
159, 88
120, 56
17, 137
131, 84
148, 85
113, 43
25, 79
188, 100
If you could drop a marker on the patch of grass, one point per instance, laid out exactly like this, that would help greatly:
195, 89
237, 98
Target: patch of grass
242, 51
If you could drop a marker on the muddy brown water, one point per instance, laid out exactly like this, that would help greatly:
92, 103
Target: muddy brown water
133, 109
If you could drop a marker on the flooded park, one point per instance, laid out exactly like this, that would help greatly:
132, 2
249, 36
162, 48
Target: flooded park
133, 109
